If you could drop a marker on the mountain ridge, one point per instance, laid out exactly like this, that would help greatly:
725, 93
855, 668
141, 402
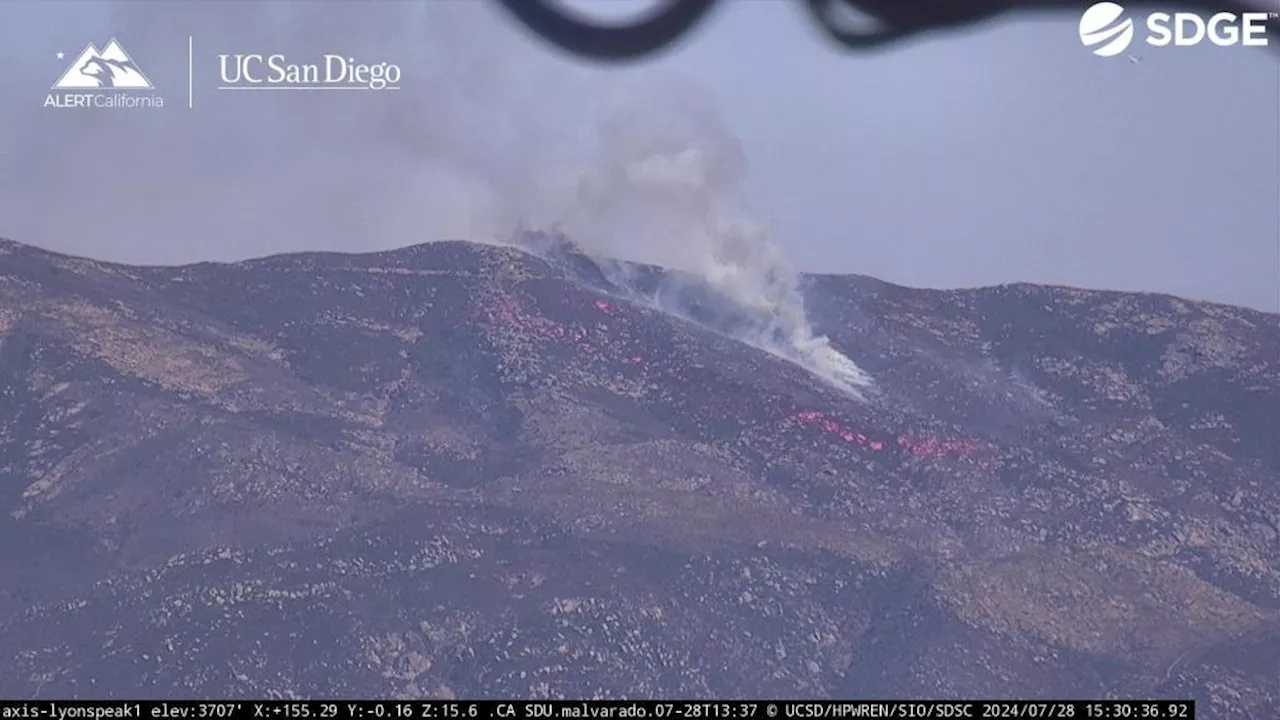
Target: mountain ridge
541, 250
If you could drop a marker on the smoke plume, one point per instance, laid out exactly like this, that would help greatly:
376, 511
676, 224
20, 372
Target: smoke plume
491, 132
664, 184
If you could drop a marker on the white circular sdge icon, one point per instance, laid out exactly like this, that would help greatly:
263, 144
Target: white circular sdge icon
1105, 29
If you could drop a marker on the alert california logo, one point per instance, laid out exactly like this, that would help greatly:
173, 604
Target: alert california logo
107, 79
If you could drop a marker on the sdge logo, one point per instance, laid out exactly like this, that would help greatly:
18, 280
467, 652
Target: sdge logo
1107, 30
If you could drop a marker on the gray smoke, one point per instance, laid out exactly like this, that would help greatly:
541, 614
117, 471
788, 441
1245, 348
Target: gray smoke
491, 132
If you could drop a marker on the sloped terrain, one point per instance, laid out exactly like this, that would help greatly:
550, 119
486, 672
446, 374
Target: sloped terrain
466, 470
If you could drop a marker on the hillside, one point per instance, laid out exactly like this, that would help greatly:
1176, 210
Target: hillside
458, 469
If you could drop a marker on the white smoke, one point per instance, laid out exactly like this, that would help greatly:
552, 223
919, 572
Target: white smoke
492, 132
665, 182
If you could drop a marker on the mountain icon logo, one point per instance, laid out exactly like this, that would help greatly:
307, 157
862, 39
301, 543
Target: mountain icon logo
110, 68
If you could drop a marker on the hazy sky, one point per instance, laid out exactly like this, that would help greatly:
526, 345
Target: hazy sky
1009, 154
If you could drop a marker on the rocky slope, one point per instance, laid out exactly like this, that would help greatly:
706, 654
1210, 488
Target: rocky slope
465, 470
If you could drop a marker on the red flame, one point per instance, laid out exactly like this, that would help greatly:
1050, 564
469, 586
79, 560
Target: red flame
922, 447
